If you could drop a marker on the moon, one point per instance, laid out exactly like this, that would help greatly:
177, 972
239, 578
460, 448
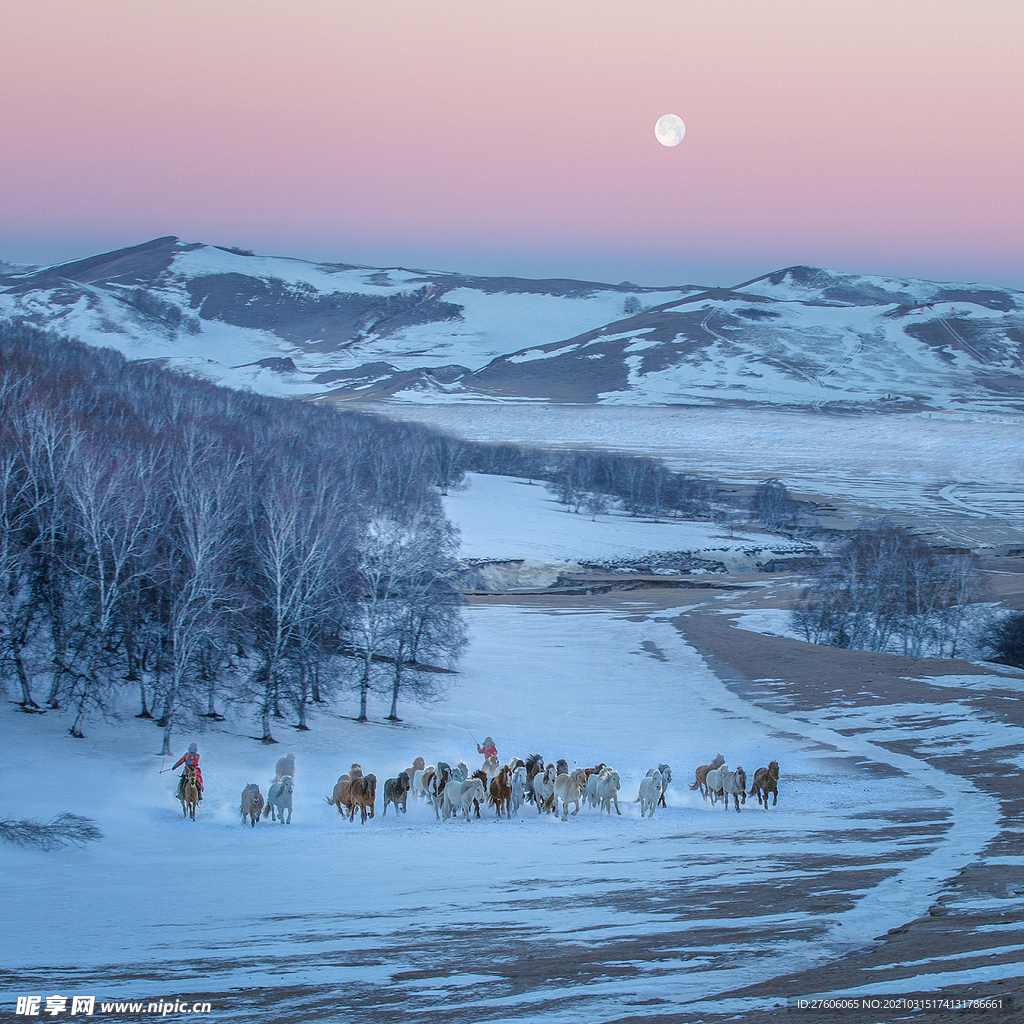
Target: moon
670, 130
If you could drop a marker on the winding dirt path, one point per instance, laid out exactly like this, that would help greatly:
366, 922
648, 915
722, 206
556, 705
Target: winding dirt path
978, 918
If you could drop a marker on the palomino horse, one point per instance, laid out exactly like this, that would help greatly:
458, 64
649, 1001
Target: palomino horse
189, 793
766, 780
701, 774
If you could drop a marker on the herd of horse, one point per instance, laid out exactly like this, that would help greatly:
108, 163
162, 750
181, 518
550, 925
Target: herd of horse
716, 781
551, 787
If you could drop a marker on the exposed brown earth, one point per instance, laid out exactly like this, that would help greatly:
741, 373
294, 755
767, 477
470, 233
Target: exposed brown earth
811, 678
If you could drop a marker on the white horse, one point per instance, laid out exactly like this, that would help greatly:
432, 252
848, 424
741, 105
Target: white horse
544, 788
735, 784
518, 789
666, 778
472, 794
713, 782
419, 788
723, 782
279, 799
461, 793
568, 788
285, 766
608, 790
650, 792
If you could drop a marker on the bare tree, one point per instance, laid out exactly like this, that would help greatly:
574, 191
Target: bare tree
295, 546
423, 611
114, 527
1005, 640
772, 505
448, 458
197, 580
884, 588
17, 556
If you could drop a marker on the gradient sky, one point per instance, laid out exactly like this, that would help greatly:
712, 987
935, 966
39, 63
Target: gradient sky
516, 136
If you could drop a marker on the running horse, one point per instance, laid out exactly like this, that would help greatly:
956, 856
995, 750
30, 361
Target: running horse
766, 780
189, 793
701, 774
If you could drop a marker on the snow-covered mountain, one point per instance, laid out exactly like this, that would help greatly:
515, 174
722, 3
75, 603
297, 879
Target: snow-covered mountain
795, 337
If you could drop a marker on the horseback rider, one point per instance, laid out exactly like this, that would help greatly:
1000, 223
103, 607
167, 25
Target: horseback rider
190, 760
487, 748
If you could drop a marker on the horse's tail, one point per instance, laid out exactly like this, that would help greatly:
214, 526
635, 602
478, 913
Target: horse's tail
696, 784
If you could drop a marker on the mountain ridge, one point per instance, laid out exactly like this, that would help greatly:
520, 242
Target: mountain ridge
795, 337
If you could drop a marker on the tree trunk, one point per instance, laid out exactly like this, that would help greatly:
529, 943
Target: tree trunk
166, 749
27, 703
51, 700
395, 687
142, 698
267, 736
364, 689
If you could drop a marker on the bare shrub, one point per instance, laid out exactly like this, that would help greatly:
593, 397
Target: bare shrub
65, 830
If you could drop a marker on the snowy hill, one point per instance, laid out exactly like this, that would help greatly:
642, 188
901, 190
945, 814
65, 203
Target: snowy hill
796, 337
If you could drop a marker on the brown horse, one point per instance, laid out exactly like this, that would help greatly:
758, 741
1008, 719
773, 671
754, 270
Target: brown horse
362, 794
189, 793
701, 774
342, 795
501, 791
252, 804
766, 780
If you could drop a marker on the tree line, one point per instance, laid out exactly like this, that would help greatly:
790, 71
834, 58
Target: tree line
206, 546
584, 481
887, 590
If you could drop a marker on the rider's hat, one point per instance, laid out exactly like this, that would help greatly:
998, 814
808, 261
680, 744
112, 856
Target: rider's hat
193, 749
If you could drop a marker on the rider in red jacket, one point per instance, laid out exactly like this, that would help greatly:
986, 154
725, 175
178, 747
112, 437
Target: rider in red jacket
192, 760
487, 748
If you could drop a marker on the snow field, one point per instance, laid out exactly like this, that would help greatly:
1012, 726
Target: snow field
904, 465
505, 518
217, 906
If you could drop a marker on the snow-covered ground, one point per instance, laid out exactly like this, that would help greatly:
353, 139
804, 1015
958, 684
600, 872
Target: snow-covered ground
529, 919
958, 473
505, 518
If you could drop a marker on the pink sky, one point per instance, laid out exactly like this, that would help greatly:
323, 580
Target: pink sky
517, 137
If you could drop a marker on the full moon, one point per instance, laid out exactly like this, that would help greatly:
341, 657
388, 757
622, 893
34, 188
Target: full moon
670, 130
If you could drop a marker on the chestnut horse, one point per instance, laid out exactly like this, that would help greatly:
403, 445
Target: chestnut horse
189, 793
501, 791
252, 804
766, 780
701, 774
